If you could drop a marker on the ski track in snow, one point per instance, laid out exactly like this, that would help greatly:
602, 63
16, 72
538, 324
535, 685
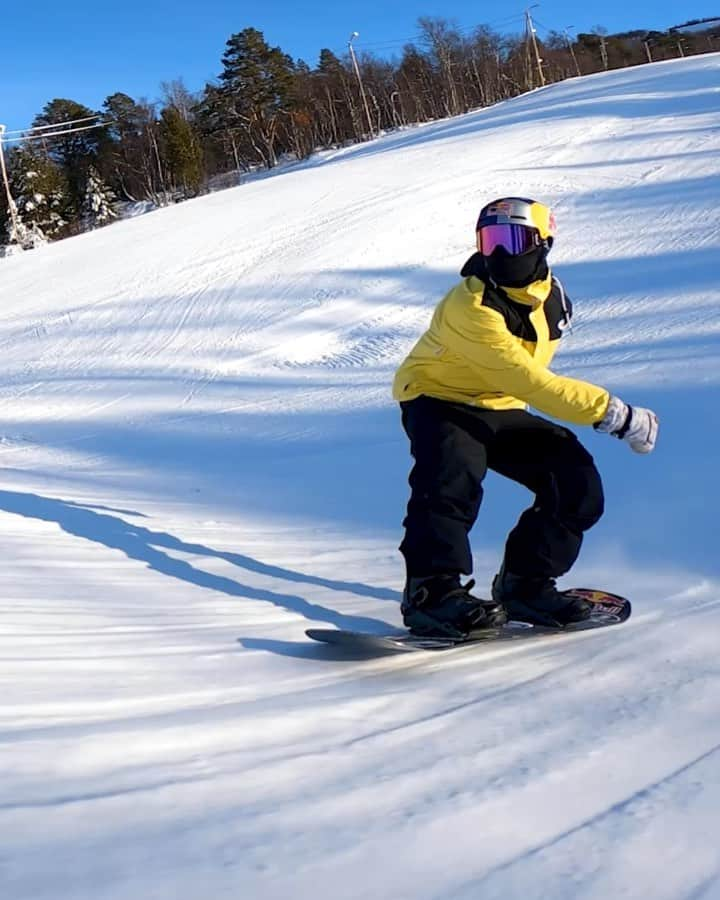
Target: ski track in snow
201, 460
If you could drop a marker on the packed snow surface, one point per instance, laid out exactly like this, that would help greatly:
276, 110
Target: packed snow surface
201, 459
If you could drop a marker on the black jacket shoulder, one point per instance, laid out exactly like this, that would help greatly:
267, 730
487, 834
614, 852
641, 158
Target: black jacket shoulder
557, 307
558, 310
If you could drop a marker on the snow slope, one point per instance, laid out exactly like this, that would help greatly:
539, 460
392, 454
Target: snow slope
201, 459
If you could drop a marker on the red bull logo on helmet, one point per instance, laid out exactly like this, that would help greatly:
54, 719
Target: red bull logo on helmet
504, 207
519, 211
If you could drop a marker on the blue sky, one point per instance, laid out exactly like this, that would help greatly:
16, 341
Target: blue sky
84, 51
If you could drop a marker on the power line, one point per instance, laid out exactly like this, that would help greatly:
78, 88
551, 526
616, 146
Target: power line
399, 42
545, 27
40, 137
54, 125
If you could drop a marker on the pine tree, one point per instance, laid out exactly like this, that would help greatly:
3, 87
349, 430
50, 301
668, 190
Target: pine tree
97, 206
76, 151
13, 231
221, 137
133, 150
41, 195
257, 80
129, 158
182, 151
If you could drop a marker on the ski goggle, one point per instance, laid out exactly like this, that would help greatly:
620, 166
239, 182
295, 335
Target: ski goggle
514, 238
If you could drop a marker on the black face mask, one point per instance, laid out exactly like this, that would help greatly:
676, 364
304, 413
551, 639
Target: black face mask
517, 270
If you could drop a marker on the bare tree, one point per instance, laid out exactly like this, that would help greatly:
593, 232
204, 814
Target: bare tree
443, 43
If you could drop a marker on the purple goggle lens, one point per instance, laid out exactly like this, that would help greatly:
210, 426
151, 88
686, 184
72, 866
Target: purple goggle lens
514, 238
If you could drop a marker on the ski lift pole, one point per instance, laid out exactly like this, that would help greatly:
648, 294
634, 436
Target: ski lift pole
14, 230
360, 82
532, 36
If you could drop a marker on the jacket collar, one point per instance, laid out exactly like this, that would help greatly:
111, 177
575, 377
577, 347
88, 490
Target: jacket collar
531, 294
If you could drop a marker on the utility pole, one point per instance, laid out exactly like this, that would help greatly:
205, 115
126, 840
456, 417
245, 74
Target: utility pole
531, 35
15, 230
529, 79
398, 119
647, 51
572, 50
603, 52
360, 82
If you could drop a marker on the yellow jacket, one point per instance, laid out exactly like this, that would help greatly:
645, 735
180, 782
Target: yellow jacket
491, 348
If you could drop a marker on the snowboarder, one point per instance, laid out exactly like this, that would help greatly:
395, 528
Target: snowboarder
463, 391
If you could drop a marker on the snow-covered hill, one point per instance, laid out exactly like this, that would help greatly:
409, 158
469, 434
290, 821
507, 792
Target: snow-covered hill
201, 459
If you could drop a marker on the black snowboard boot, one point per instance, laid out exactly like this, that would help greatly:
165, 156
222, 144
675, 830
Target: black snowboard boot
537, 600
438, 605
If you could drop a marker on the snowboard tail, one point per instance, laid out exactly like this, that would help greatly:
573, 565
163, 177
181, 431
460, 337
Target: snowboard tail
608, 609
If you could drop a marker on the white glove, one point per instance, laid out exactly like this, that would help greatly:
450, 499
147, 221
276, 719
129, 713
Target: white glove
632, 424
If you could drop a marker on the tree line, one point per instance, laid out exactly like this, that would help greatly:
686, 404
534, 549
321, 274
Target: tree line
265, 106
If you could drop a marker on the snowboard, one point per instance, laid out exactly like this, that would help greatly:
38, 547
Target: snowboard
608, 609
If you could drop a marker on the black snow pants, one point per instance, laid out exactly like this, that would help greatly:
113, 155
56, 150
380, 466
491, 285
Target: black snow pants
454, 445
